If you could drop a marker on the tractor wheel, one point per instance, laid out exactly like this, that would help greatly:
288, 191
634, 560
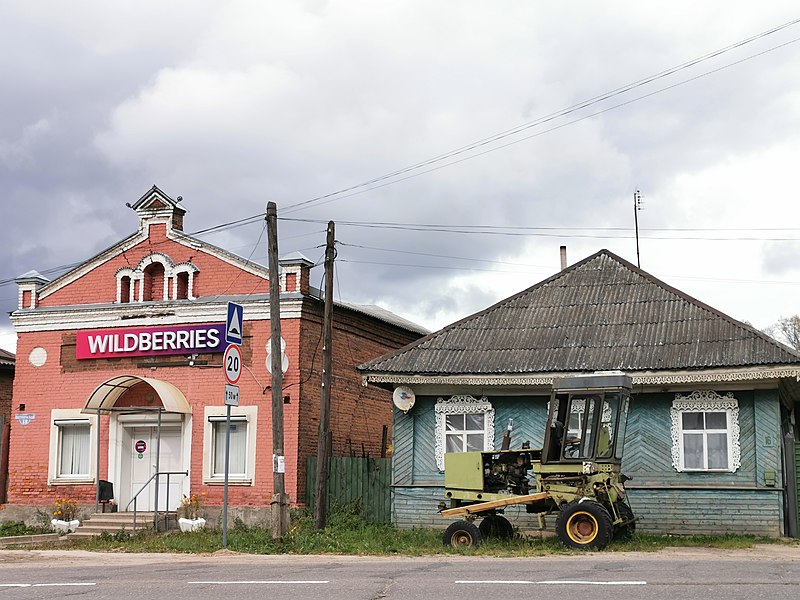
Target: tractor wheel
626, 530
495, 526
462, 534
584, 524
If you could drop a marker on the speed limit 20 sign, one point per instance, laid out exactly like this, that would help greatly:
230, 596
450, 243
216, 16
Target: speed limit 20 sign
232, 363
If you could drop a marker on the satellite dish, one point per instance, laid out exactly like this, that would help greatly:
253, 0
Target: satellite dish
403, 398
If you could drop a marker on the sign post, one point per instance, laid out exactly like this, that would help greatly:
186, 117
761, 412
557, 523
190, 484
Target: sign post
232, 368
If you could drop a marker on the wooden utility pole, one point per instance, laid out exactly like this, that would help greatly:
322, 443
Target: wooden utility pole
324, 438
279, 507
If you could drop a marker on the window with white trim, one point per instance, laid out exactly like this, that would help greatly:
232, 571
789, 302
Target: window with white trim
705, 432
463, 424
73, 447
241, 467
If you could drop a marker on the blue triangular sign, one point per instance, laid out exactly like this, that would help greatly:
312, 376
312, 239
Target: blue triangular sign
233, 324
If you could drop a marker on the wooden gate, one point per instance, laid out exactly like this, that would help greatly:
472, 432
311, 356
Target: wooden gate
363, 481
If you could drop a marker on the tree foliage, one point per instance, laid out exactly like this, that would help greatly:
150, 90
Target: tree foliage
787, 330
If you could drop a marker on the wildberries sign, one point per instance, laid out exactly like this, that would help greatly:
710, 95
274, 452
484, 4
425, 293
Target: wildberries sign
150, 341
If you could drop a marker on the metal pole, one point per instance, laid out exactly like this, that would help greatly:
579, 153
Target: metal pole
227, 469
637, 200
158, 467
97, 481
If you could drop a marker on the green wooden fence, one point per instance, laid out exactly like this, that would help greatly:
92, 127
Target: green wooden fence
363, 481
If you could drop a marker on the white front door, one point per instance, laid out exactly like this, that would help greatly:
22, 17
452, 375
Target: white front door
142, 442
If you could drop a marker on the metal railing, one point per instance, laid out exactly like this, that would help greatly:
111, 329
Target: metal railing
133, 500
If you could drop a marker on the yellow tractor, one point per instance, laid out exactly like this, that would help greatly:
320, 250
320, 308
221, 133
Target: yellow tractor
575, 475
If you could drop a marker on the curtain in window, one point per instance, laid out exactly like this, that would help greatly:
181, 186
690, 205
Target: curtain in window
75, 450
238, 449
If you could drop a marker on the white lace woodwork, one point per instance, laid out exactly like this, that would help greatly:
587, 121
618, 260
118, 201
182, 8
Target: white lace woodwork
706, 401
462, 405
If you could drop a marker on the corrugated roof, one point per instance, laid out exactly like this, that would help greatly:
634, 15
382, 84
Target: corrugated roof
7, 359
602, 313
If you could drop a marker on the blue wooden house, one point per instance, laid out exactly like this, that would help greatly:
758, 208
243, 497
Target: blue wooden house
709, 443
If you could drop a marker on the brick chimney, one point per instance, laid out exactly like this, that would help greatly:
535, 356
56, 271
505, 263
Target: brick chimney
295, 274
29, 285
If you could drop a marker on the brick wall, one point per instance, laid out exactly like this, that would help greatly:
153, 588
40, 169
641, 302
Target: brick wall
215, 277
6, 387
358, 413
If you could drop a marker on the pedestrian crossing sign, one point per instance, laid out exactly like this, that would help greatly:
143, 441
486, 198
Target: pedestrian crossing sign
233, 324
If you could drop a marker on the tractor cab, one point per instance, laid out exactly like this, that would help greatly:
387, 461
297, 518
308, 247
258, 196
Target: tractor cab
586, 419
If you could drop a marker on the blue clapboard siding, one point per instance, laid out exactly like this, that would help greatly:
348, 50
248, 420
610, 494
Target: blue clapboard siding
666, 500
708, 512
414, 434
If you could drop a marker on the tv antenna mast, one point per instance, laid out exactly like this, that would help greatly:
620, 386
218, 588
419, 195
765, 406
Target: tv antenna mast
637, 206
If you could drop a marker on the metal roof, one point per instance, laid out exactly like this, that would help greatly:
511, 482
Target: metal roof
602, 313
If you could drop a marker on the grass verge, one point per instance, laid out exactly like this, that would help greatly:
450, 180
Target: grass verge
347, 533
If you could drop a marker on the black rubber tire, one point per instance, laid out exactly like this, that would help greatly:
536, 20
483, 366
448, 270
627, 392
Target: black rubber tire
626, 530
496, 526
462, 534
584, 524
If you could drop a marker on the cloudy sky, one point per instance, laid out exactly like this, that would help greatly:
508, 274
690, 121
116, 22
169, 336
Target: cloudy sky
492, 133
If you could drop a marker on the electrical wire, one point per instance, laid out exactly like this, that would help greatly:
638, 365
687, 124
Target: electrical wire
550, 117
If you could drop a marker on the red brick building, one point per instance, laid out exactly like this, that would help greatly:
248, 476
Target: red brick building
7, 360
134, 337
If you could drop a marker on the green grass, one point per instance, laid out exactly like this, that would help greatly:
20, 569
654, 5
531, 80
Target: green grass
14, 528
347, 533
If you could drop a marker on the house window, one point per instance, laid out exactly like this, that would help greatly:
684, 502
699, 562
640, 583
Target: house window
705, 432
463, 424
72, 447
241, 466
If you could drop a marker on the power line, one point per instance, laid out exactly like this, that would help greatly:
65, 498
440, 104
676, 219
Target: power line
550, 117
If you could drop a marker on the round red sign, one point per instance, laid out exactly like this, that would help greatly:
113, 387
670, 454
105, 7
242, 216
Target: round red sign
140, 446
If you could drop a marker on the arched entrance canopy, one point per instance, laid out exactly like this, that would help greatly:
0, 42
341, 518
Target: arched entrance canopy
105, 395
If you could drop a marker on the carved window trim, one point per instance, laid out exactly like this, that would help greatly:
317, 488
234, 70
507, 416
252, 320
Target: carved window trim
706, 401
462, 405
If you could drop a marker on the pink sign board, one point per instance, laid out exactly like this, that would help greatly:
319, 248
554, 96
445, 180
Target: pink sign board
150, 341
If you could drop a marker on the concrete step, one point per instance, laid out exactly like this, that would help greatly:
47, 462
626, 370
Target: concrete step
111, 523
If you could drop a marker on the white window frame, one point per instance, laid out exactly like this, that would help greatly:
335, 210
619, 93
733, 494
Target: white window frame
241, 414
66, 417
706, 401
460, 405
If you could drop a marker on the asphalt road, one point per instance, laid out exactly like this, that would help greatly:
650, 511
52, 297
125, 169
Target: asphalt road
771, 572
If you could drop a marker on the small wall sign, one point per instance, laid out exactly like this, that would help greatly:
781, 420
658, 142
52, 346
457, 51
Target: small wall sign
25, 418
140, 446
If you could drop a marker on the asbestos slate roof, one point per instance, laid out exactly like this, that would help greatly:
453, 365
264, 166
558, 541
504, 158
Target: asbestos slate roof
7, 359
602, 313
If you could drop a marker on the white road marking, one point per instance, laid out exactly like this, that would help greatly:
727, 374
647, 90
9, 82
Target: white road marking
492, 581
592, 582
263, 582
45, 584
554, 582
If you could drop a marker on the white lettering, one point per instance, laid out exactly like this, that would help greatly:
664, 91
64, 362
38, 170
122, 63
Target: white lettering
183, 339
169, 340
98, 344
131, 342
213, 338
158, 340
145, 342
200, 338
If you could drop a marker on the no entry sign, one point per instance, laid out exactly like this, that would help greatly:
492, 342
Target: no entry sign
140, 446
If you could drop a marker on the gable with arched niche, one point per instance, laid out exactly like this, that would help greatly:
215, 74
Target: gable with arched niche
156, 278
